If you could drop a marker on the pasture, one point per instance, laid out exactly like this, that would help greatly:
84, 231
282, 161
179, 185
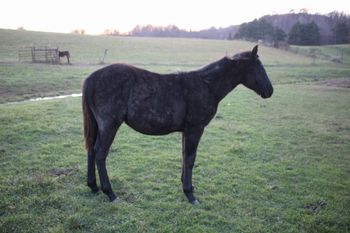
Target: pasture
276, 165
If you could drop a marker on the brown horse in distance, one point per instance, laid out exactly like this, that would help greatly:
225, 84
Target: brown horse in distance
64, 54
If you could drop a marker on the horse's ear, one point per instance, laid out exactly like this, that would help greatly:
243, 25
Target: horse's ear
254, 51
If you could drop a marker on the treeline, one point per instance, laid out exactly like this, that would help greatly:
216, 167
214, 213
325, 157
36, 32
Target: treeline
260, 30
153, 31
174, 31
293, 28
341, 28
304, 34
312, 29
331, 29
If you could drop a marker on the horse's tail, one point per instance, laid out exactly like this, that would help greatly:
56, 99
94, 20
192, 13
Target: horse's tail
90, 124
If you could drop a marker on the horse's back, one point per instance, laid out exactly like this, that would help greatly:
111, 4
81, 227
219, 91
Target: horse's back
124, 79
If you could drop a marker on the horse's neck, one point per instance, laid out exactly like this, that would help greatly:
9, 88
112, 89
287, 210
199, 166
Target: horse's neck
221, 78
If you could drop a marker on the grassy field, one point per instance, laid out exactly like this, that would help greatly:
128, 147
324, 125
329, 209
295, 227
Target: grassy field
276, 165
21, 81
340, 52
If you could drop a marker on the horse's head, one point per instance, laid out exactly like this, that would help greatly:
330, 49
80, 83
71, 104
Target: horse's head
253, 74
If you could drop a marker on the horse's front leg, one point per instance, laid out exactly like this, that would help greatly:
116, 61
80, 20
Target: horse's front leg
183, 160
191, 137
91, 174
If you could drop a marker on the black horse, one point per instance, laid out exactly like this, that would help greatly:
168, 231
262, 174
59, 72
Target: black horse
64, 54
156, 104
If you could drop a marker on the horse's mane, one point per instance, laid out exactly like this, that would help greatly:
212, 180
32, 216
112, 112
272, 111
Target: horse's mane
243, 55
214, 67
225, 61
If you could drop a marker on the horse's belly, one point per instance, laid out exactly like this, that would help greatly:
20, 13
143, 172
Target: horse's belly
155, 121
156, 106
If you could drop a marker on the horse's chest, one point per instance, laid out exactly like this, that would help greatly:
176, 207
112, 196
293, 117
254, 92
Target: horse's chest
201, 110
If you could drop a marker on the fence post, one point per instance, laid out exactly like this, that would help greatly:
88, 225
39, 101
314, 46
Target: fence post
32, 49
103, 57
46, 58
57, 59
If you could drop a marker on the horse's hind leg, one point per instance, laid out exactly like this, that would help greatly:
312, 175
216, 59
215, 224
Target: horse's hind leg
104, 140
91, 174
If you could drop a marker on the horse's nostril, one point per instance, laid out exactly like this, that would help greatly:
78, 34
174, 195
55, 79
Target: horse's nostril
269, 93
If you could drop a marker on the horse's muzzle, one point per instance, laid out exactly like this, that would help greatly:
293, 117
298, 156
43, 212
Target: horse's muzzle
267, 93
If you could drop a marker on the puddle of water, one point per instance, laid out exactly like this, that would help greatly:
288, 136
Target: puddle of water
56, 97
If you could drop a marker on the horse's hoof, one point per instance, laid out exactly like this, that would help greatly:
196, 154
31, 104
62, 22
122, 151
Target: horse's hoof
116, 200
195, 202
95, 190
93, 187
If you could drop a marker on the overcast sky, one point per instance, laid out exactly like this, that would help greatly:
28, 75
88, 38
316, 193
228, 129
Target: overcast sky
123, 15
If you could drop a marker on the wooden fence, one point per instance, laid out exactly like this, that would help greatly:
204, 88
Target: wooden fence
38, 55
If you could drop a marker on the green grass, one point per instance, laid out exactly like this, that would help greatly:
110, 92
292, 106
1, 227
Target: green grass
260, 163
329, 52
276, 165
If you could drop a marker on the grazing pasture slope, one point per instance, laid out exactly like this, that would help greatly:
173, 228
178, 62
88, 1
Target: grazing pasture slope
277, 165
